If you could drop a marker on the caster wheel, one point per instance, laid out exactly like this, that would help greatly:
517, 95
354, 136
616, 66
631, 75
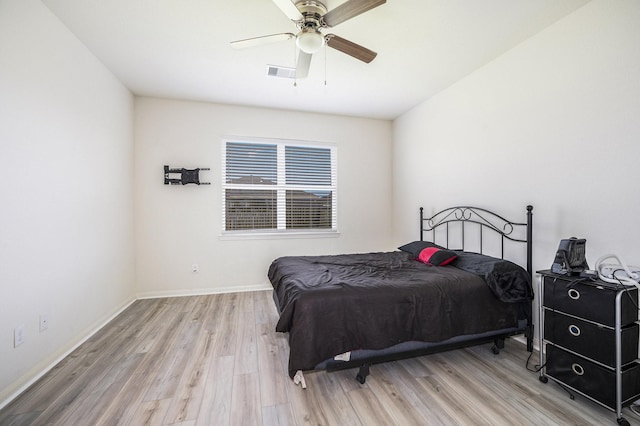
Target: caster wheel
361, 379
495, 350
544, 379
623, 422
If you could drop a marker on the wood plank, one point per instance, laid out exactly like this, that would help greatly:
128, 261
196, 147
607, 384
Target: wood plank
185, 405
214, 312
216, 402
246, 304
225, 327
245, 400
73, 397
368, 407
306, 403
453, 405
264, 308
336, 408
273, 378
280, 415
246, 349
155, 327
396, 404
178, 352
151, 413
90, 406
125, 404
409, 385
454, 383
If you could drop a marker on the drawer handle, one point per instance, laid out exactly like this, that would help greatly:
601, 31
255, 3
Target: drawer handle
574, 330
577, 368
574, 294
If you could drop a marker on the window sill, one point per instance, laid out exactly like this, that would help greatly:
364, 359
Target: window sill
277, 235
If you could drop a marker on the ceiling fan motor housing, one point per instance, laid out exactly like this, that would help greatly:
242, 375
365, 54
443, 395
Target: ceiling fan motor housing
312, 12
309, 39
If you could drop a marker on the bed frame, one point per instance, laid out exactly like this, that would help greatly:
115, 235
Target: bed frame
457, 223
484, 220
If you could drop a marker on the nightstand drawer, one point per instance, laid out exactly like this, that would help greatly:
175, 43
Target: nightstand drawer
589, 339
588, 301
592, 379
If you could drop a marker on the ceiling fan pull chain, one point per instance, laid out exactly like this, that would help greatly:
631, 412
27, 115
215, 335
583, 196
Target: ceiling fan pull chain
295, 65
325, 64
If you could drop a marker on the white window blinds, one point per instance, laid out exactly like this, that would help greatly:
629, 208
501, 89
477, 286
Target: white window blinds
278, 186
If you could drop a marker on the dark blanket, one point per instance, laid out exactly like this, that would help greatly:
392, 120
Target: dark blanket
333, 304
508, 281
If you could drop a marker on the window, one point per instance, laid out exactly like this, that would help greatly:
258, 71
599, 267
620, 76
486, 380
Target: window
278, 187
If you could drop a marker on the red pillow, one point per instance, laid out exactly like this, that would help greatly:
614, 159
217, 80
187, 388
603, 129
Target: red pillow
436, 256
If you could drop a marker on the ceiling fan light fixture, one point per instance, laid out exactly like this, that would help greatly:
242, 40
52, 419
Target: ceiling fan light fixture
310, 41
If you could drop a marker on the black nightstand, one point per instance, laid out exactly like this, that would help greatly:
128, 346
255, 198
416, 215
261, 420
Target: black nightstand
588, 336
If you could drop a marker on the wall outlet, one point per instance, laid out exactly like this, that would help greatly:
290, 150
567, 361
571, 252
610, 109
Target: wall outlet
18, 336
195, 267
44, 322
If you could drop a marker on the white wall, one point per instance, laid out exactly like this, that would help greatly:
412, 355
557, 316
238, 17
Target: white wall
66, 221
177, 226
554, 122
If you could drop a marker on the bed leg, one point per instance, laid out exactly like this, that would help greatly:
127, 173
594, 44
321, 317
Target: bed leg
498, 344
363, 372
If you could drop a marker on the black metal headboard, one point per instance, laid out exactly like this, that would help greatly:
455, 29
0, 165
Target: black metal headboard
484, 220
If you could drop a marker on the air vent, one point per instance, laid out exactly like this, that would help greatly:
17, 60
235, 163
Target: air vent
282, 72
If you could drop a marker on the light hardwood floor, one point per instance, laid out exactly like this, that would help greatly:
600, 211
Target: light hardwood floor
216, 360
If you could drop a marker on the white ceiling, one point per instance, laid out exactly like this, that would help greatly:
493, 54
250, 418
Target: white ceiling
180, 49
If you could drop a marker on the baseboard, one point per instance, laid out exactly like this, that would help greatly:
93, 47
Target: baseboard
33, 376
203, 291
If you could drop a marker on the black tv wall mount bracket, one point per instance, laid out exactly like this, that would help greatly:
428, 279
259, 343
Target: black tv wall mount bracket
183, 176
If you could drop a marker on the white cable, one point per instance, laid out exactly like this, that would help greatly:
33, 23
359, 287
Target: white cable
631, 278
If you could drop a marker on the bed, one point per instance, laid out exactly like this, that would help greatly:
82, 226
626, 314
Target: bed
437, 293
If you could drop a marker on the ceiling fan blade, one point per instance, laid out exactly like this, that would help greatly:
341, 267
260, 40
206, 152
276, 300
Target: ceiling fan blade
350, 48
348, 10
302, 67
259, 41
289, 9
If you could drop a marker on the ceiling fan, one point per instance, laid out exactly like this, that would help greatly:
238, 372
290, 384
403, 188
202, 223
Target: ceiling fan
310, 16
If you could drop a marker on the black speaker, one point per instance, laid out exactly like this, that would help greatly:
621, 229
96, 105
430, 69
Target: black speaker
571, 257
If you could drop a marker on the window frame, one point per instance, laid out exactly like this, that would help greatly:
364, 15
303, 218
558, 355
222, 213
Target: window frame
281, 187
